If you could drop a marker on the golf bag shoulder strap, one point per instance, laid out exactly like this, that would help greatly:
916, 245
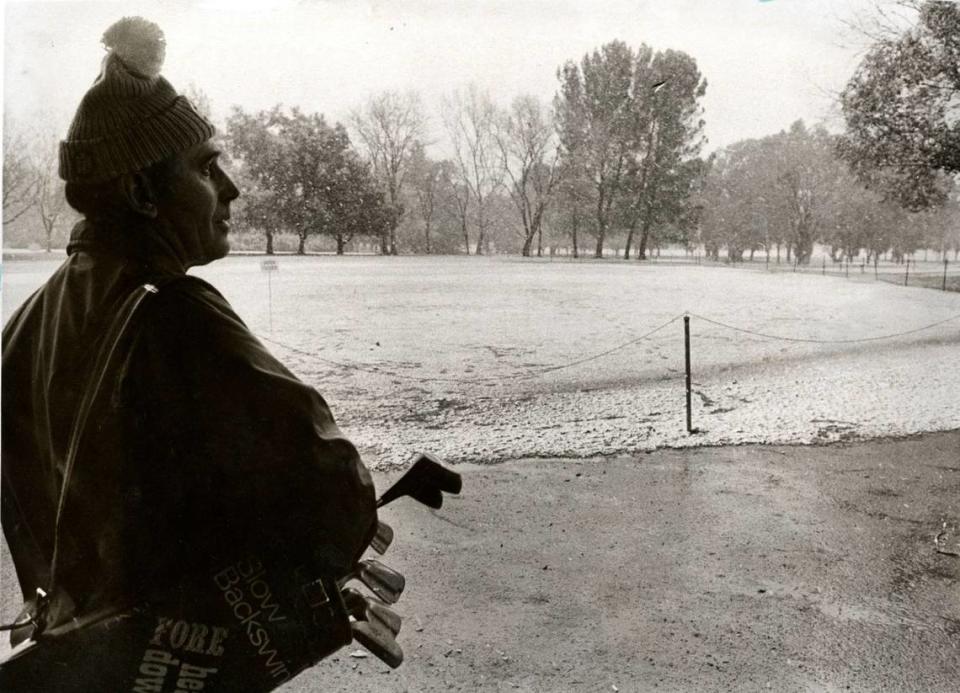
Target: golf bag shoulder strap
106, 356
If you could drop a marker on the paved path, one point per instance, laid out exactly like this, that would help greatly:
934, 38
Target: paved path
741, 568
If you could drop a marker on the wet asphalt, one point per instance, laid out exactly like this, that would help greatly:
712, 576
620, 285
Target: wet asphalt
797, 568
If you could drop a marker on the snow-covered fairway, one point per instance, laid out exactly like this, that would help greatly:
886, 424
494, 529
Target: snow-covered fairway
485, 359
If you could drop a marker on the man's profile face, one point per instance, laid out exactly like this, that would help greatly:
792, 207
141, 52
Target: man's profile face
196, 207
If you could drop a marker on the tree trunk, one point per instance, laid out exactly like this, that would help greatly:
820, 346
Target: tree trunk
481, 225
384, 244
340, 243
626, 248
644, 236
527, 244
301, 244
269, 235
576, 223
466, 234
598, 250
601, 224
540, 242
426, 234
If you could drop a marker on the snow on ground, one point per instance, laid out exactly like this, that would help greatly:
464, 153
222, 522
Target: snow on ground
485, 359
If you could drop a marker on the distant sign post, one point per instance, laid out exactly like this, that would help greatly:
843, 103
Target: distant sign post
269, 266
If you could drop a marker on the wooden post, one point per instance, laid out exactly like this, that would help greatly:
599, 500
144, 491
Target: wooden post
686, 344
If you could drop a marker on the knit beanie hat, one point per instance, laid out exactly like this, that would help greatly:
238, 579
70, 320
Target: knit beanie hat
131, 117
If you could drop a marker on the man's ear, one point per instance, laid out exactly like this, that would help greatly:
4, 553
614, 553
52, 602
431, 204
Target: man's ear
139, 194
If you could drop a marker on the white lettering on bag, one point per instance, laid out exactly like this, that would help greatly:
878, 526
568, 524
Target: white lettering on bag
158, 663
236, 582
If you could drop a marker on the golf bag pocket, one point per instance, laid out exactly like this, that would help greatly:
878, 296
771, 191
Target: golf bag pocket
248, 626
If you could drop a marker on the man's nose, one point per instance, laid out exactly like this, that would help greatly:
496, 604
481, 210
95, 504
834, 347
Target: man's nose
228, 191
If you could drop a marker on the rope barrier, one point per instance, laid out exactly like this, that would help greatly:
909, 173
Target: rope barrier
533, 373
824, 341
594, 357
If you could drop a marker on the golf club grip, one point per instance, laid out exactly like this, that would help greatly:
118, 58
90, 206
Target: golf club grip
379, 642
425, 481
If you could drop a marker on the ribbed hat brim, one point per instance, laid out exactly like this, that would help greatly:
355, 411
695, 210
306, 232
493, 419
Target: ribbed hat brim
156, 138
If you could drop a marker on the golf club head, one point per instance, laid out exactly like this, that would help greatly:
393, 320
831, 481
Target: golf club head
364, 608
425, 481
382, 538
379, 641
383, 581
380, 613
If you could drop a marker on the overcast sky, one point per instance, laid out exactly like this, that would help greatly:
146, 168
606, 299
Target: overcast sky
767, 62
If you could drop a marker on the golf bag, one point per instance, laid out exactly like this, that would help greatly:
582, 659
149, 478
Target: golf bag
249, 625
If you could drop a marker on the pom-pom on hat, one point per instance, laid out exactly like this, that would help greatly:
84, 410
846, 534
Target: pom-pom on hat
131, 117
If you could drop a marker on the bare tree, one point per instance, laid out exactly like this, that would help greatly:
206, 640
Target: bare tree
529, 158
19, 176
430, 181
199, 99
389, 125
50, 200
460, 195
470, 119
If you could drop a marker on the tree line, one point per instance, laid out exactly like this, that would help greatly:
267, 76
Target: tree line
780, 194
615, 153
614, 162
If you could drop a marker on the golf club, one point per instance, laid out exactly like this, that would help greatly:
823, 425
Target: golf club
379, 641
384, 582
364, 608
382, 538
425, 481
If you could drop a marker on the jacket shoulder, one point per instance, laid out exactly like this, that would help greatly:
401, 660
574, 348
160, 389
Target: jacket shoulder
187, 296
189, 313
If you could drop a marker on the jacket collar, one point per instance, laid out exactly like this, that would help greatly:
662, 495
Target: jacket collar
132, 244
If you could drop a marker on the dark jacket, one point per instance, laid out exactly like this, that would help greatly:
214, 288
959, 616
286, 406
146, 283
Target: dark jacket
201, 447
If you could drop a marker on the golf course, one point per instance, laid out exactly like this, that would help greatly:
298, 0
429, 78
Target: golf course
802, 537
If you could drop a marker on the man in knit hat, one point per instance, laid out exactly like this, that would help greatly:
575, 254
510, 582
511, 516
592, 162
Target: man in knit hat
201, 444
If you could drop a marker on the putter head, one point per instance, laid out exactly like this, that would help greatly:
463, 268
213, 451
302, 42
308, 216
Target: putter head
383, 581
364, 608
379, 641
382, 538
425, 481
